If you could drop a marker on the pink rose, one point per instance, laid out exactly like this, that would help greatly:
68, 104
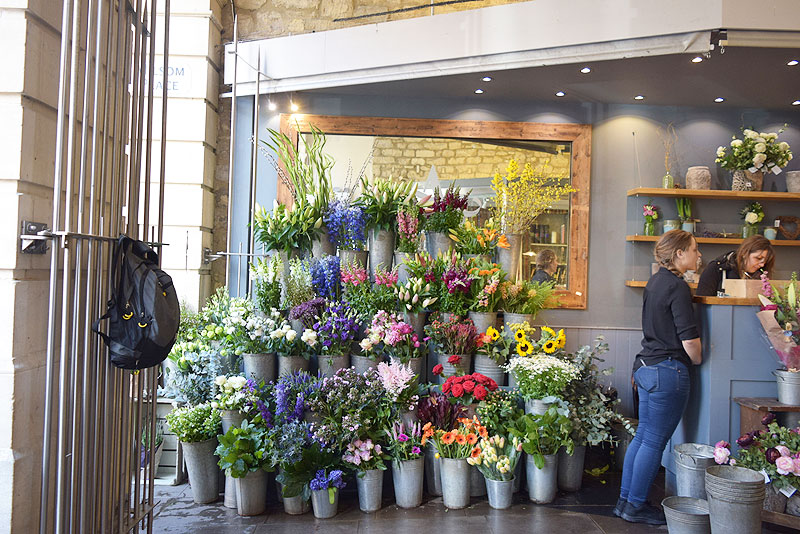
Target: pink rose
721, 455
784, 465
784, 450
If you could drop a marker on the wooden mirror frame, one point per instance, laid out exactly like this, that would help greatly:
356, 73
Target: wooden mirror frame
579, 135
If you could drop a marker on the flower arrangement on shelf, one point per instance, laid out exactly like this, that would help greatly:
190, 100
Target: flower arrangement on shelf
468, 389
388, 335
337, 328
495, 345
382, 199
298, 285
404, 443
752, 214
774, 451
409, 228
457, 336
780, 318
286, 343
542, 435
244, 449
267, 274
650, 212
527, 297
248, 331
399, 382
498, 457
415, 295
445, 212
755, 152
460, 442
237, 393
308, 311
520, 197
498, 410
472, 239
542, 376
195, 423
484, 294
325, 277
347, 225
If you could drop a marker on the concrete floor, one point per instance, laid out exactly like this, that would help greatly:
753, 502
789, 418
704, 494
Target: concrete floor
585, 512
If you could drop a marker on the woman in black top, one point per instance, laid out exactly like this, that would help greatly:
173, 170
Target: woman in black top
671, 343
753, 257
546, 266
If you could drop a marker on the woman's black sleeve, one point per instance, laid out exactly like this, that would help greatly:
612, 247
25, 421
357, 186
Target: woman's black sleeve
683, 313
710, 281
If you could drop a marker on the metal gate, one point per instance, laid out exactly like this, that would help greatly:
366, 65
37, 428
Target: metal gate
97, 416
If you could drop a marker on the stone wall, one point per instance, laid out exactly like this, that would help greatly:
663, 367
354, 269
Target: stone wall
454, 159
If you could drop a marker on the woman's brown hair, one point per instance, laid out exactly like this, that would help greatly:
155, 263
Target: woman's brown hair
544, 258
669, 245
751, 245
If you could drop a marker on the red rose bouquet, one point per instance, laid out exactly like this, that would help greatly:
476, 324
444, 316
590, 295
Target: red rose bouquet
468, 389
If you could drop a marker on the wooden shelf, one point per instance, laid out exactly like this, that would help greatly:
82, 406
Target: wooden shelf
717, 240
642, 283
714, 194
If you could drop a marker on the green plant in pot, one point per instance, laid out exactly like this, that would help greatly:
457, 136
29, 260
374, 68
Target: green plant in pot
244, 449
684, 206
542, 435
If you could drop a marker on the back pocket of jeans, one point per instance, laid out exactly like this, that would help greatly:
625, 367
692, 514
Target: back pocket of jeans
647, 378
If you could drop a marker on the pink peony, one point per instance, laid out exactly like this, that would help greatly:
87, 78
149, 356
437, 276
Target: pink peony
784, 450
796, 466
721, 455
784, 465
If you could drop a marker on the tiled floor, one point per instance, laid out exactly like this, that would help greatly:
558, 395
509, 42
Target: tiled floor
585, 512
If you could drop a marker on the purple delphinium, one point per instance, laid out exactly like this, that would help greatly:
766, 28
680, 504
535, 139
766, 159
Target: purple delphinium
325, 277
346, 225
337, 327
308, 311
255, 393
291, 393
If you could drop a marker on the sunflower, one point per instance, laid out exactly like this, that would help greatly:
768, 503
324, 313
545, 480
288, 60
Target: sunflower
461, 439
524, 348
549, 347
561, 340
519, 335
448, 438
549, 331
493, 333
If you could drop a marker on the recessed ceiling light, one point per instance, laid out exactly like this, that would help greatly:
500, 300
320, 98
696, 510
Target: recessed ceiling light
719, 99
796, 103
697, 59
586, 70
560, 93
638, 97
294, 107
272, 106
793, 62
487, 78
478, 91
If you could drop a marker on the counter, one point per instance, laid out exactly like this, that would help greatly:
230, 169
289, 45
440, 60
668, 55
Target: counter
737, 362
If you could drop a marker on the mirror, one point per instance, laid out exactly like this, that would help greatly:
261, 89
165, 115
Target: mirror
438, 152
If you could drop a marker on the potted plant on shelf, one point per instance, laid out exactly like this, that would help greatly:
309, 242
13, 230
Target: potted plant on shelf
381, 201
496, 412
325, 488
493, 351
197, 427
684, 206
249, 332
751, 156
468, 390
405, 447
455, 342
497, 462
336, 329
293, 349
542, 436
650, 213
243, 455
454, 447
780, 318
752, 214
409, 231
347, 226
444, 214
520, 197
392, 337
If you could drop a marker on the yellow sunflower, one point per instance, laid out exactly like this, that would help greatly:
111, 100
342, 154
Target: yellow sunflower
493, 333
550, 331
524, 348
561, 340
549, 347
519, 335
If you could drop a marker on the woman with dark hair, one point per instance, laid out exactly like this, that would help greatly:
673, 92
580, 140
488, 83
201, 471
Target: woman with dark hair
546, 266
670, 345
753, 257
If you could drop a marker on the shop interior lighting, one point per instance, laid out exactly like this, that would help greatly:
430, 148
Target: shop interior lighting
560, 93
294, 107
272, 105
487, 78
478, 91
793, 62
719, 99
697, 59
586, 70
638, 97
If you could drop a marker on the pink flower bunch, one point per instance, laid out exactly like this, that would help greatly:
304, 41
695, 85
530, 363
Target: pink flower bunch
457, 278
399, 332
650, 211
766, 287
407, 225
386, 278
722, 453
359, 451
396, 378
353, 274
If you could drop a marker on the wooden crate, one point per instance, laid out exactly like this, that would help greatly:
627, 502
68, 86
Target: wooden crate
748, 288
171, 471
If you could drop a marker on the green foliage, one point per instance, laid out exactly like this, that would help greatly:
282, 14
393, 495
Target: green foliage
195, 423
243, 449
526, 297
296, 476
382, 198
498, 409
544, 434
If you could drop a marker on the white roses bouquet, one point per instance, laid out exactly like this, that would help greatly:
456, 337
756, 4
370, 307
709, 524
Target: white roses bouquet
757, 151
753, 213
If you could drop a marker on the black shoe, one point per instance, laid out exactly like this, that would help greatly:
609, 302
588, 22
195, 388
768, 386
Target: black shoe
619, 507
643, 513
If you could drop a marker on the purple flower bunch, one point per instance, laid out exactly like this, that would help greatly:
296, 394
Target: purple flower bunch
452, 200
255, 406
405, 443
337, 328
347, 225
322, 481
291, 393
325, 277
457, 279
308, 311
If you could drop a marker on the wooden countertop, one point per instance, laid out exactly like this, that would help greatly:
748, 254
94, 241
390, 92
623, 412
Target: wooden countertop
726, 301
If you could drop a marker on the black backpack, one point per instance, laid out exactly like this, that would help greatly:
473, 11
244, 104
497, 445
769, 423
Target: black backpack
143, 312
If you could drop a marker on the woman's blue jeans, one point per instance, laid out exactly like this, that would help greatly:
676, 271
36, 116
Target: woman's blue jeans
663, 394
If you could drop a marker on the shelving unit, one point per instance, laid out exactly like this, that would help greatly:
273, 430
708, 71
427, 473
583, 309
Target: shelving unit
642, 283
716, 240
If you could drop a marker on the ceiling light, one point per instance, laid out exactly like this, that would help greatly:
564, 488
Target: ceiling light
478, 91
638, 97
560, 93
793, 62
294, 107
272, 106
487, 78
796, 103
719, 99
586, 70
697, 59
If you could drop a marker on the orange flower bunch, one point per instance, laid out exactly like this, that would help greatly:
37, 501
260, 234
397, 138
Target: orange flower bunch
472, 239
461, 442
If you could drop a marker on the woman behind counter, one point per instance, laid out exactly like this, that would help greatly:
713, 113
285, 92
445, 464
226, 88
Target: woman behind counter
670, 345
754, 256
546, 266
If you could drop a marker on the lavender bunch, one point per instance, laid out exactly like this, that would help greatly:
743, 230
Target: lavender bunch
325, 277
308, 311
346, 225
337, 328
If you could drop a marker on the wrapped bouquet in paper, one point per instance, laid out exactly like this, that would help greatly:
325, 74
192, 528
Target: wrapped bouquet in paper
779, 317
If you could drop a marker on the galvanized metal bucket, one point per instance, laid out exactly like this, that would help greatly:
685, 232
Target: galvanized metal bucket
322, 505
515, 318
570, 468
788, 387
289, 364
251, 493
433, 472
402, 270
362, 364
500, 492
536, 406
349, 257
686, 515
408, 477
437, 242
477, 482
542, 483
691, 461
370, 490
328, 365
203, 470
483, 320
488, 367
296, 505
260, 367
381, 250
230, 418
455, 482
735, 499
417, 322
